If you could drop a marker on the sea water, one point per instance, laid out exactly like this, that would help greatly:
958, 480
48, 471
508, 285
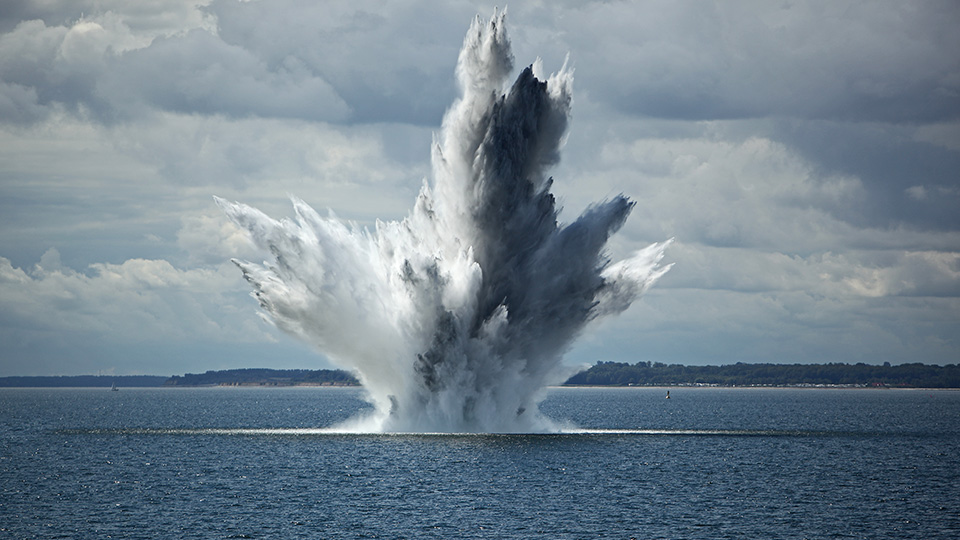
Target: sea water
269, 463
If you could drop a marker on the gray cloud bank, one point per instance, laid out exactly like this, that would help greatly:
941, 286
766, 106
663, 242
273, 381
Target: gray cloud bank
806, 157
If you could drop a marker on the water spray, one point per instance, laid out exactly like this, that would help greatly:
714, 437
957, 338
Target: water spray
456, 318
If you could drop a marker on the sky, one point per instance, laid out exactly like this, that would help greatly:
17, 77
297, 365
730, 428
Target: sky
805, 156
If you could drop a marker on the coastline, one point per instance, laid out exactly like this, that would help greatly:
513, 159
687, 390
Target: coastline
751, 387
549, 387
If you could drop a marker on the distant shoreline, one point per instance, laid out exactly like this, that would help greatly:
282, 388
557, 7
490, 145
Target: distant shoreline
832, 375
601, 375
4, 386
734, 387
552, 387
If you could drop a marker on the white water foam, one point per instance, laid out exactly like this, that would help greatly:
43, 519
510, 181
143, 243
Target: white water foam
350, 430
456, 318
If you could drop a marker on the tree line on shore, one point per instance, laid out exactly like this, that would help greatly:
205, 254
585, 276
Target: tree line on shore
266, 377
834, 374
915, 375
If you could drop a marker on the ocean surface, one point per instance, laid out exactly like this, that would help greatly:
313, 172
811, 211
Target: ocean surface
257, 463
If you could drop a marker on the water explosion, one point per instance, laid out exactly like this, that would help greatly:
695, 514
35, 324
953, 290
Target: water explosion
456, 318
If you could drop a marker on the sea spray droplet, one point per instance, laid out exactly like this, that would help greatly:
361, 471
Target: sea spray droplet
456, 318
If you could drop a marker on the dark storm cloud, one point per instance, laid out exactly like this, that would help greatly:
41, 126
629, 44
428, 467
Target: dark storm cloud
191, 73
844, 84
869, 61
16, 11
391, 64
881, 62
890, 161
266, 59
199, 73
28, 70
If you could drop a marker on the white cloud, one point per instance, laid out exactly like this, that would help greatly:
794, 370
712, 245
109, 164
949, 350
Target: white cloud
62, 64
753, 193
917, 193
945, 134
139, 301
840, 276
114, 185
214, 239
101, 67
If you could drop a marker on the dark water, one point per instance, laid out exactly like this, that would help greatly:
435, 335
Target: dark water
708, 463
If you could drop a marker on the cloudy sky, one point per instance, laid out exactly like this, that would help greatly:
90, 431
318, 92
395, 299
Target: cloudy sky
805, 156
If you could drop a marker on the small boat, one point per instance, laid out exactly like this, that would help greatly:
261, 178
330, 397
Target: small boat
668, 394
114, 388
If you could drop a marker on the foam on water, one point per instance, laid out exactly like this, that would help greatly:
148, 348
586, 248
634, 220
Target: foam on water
570, 431
456, 318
